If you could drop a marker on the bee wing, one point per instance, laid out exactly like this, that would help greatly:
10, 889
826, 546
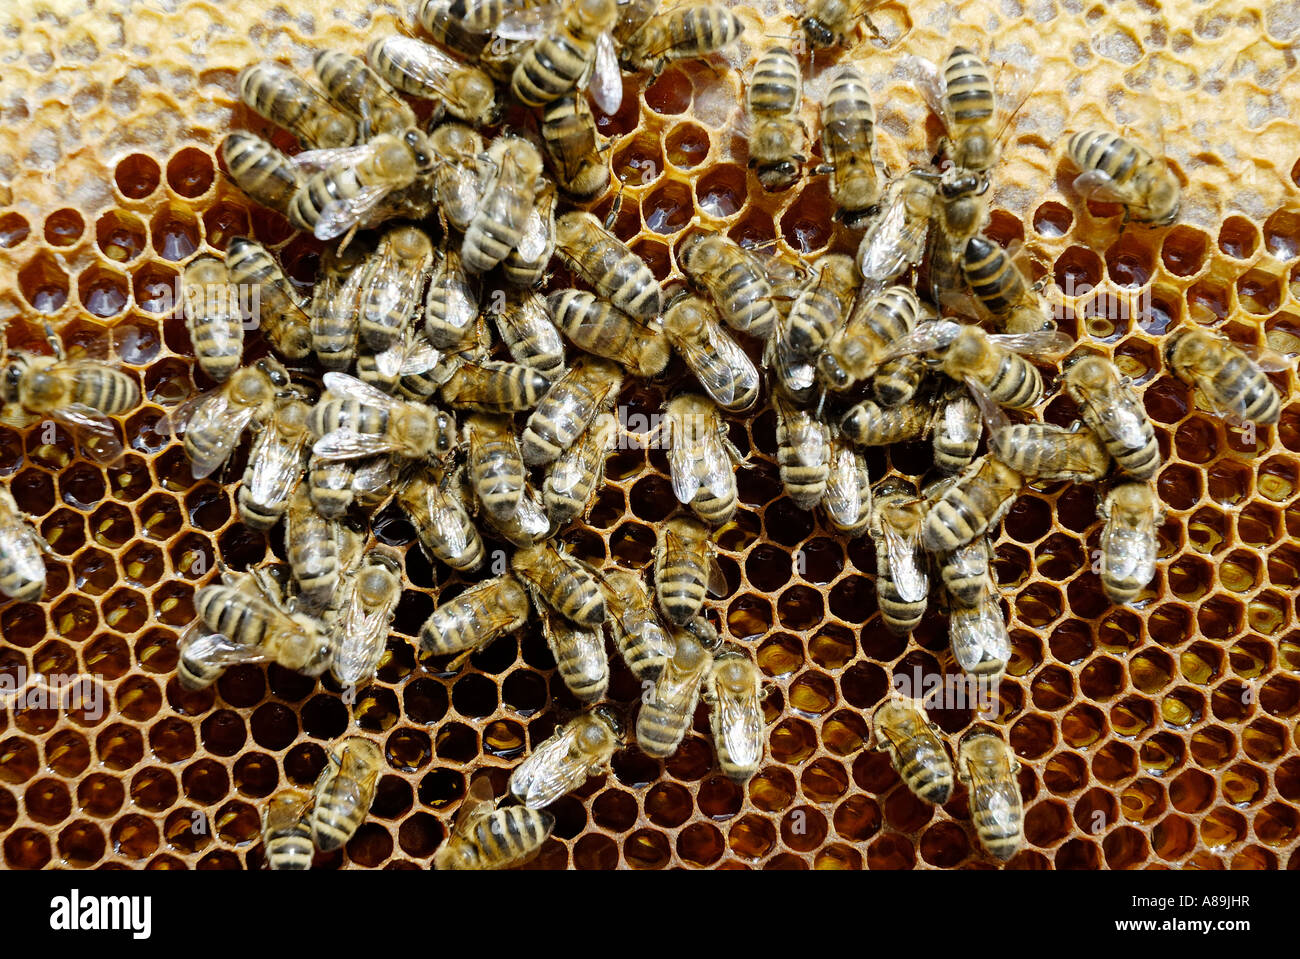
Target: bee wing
350, 388
675, 689
929, 80
1122, 418
424, 63
214, 649
554, 769
464, 191
420, 356
722, 367
606, 77
924, 338
1098, 185
448, 518
462, 303
894, 242
991, 413
343, 214
906, 562
528, 23
739, 724
978, 635
846, 499
717, 468
808, 441
277, 467
223, 426
313, 161
1048, 344
1013, 85
93, 430
585, 648
1127, 553
535, 237
349, 445
681, 466
717, 578
362, 635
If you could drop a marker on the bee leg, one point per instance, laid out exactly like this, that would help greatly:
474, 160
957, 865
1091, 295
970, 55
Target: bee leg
822, 169
612, 215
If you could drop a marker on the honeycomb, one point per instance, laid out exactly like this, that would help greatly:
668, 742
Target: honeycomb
1163, 735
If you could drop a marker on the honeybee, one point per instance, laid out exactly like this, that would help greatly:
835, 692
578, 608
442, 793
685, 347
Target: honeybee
895, 240
666, 715
574, 146
1116, 170
260, 170
1131, 514
513, 180
688, 31
344, 792
350, 83
577, 49
599, 328
1108, 405
995, 363
463, 26
409, 366
803, 453
369, 601
484, 837
495, 464
451, 305
529, 525
329, 485
276, 462
247, 626
435, 503
1000, 288
848, 499
589, 388
641, 638
424, 71
848, 138
286, 830
978, 634
373, 482
900, 727
957, 427
525, 265
562, 582
203, 657
315, 548
1230, 380
22, 567
854, 351
975, 503
335, 305
824, 304
1044, 451
578, 749
493, 386
897, 380
686, 567
275, 92
455, 179
967, 572
725, 370
902, 570
351, 183
212, 317
393, 283
474, 618
579, 653
734, 692
284, 321
701, 457
524, 322
777, 138
213, 422
965, 96
733, 277
572, 480
793, 373
827, 23
604, 261
354, 420
987, 766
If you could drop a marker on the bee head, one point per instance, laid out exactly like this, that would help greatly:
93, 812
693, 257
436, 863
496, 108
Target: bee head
819, 35
419, 147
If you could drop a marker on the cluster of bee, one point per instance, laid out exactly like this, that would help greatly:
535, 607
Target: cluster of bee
387, 385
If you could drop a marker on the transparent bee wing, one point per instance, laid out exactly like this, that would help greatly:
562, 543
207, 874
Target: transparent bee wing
223, 426
581, 650
929, 80
93, 430
1127, 554
1098, 185
420, 356
313, 161
717, 468
463, 192
906, 562
349, 445
1047, 344
606, 82
535, 237
566, 473
739, 724
461, 301
350, 388
991, 413
389, 361
426, 65
847, 499
681, 464
809, 442
362, 637
554, 769
1013, 85
342, 215
214, 649
1122, 419
176, 422
528, 23
979, 635
676, 689
277, 466
893, 242
925, 338
717, 578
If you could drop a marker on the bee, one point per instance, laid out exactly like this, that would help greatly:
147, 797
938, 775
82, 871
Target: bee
203, 656
344, 792
996, 364
666, 715
409, 366
513, 180
854, 351
451, 305
463, 26
987, 766
314, 547
526, 264
484, 837
793, 373
725, 370
286, 830
562, 582
213, 422
641, 638
474, 618
975, 503
827, 23
733, 277
688, 31
965, 96
369, 601
335, 304
1044, 451
777, 136
276, 93
434, 501
701, 458
347, 190
577, 50
284, 321
604, 261
329, 486
354, 420
803, 453
902, 570
589, 388
978, 634
524, 322
848, 499
579, 653
352, 85
1131, 515
268, 176
455, 179
212, 317
894, 242
1000, 288
574, 147
599, 328
253, 626
897, 380
1231, 380
393, 283
578, 749
572, 480
415, 67
686, 567
493, 386
373, 482
915, 749
276, 462
22, 567
1108, 405
734, 691
848, 139
1116, 170
823, 305
957, 428
529, 525
967, 572
495, 464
